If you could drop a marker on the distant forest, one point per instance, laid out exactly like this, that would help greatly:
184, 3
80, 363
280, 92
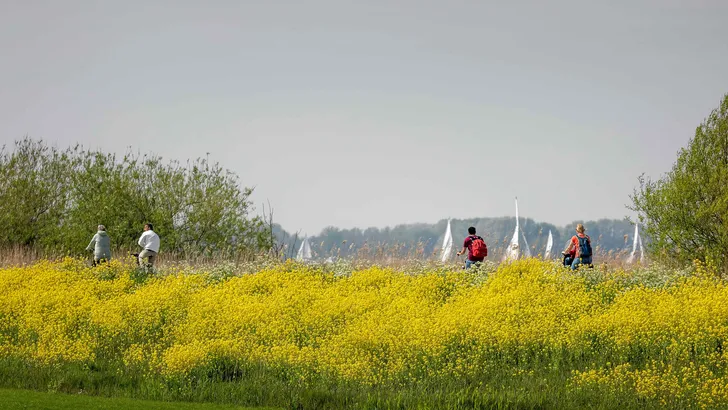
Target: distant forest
425, 240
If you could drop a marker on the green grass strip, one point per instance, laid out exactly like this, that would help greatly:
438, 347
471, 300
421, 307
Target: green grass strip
11, 399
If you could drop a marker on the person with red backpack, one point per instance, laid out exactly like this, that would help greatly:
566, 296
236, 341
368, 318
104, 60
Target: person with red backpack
579, 251
476, 247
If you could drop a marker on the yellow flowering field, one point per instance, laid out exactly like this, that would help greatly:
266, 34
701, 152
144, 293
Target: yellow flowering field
526, 334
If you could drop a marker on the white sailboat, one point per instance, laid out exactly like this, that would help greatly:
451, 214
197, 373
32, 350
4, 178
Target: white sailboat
514, 251
642, 251
446, 244
304, 252
636, 242
526, 249
549, 245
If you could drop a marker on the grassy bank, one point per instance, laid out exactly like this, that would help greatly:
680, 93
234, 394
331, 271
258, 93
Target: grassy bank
31, 400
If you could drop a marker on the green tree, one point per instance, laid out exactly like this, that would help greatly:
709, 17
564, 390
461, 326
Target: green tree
196, 209
685, 213
54, 200
35, 187
99, 197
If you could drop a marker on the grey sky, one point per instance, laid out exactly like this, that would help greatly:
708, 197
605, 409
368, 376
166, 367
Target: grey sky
377, 113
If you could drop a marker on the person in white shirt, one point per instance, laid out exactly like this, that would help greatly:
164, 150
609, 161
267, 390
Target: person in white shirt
149, 241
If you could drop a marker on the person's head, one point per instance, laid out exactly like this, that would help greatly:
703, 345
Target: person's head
471, 230
580, 228
148, 227
101, 228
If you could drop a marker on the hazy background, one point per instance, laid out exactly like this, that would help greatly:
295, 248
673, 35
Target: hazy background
377, 113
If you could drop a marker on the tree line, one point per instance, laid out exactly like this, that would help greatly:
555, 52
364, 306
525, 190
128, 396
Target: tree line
52, 199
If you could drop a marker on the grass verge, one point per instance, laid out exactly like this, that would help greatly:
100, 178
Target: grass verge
12, 399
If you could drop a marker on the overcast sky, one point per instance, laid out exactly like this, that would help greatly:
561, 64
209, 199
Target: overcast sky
375, 113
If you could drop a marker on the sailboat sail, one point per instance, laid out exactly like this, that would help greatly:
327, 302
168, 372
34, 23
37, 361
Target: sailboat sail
527, 249
635, 241
549, 245
513, 251
642, 251
447, 244
304, 252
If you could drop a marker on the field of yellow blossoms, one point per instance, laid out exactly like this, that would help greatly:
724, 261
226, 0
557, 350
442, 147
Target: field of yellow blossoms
523, 335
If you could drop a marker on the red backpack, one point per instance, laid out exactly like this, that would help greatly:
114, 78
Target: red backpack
478, 248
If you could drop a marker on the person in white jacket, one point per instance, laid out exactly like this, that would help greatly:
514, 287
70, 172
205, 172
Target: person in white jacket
149, 241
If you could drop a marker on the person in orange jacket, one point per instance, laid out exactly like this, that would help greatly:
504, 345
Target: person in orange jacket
579, 251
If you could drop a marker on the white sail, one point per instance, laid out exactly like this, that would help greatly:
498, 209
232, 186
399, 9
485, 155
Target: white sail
635, 241
513, 251
447, 244
304, 252
642, 251
526, 249
549, 245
